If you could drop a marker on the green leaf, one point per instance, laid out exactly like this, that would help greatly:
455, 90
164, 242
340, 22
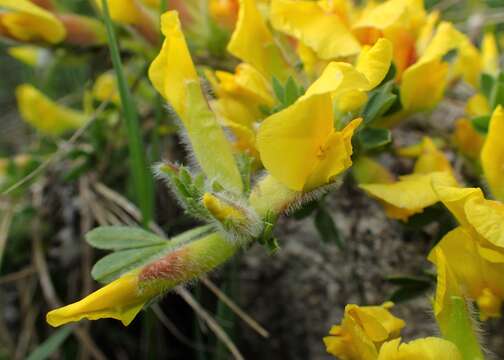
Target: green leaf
497, 97
372, 138
481, 123
327, 228
122, 237
291, 92
48, 347
278, 90
380, 101
486, 85
114, 265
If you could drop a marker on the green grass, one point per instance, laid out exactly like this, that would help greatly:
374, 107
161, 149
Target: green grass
140, 171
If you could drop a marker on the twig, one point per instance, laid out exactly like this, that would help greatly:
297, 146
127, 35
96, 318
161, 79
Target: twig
172, 328
45, 279
5, 224
18, 275
212, 324
234, 307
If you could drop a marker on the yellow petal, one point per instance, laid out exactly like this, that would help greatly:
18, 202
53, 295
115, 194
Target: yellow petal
336, 79
489, 304
431, 159
490, 53
458, 267
429, 348
121, 300
26, 21
427, 32
477, 105
333, 157
124, 11
468, 60
468, 141
289, 141
423, 84
377, 321
30, 55
367, 171
411, 192
174, 76
374, 62
173, 67
324, 32
44, 114
492, 154
487, 218
351, 101
455, 198
393, 12
105, 88
253, 43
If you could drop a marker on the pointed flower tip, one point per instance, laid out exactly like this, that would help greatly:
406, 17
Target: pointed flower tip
121, 300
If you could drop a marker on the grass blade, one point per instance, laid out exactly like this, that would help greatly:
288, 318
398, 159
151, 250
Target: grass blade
142, 177
46, 349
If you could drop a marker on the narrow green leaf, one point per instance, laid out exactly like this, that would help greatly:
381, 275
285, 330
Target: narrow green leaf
141, 175
481, 123
291, 92
121, 237
372, 138
497, 97
114, 265
278, 90
327, 228
118, 263
380, 101
48, 347
486, 85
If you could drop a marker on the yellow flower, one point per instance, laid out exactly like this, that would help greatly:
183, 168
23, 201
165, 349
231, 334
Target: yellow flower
253, 43
224, 12
45, 115
316, 25
105, 88
299, 145
470, 259
492, 154
430, 348
477, 105
412, 193
467, 268
240, 97
134, 13
30, 55
362, 331
173, 75
423, 84
468, 141
25, 21
490, 54
123, 298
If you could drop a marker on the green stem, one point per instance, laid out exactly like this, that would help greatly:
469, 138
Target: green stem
457, 326
142, 178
